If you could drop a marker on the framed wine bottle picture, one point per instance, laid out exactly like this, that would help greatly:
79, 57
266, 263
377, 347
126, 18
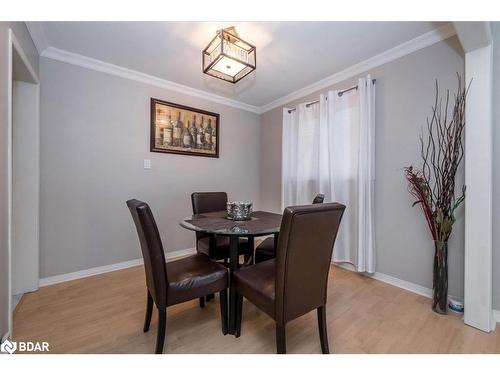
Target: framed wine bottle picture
178, 129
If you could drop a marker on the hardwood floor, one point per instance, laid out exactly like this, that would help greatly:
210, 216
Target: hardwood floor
104, 314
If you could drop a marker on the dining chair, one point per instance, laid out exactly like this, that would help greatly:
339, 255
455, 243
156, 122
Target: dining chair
216, 247
266, 250
295, 282
177, 281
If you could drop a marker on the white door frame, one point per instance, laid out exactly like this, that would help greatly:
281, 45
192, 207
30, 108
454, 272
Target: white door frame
14, 45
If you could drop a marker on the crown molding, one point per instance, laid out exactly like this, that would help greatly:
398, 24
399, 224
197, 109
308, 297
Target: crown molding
104, 67
37, 35
425, 40
442, 33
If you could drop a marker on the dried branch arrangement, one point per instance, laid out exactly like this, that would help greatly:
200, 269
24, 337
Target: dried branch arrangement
433, 186
442, 151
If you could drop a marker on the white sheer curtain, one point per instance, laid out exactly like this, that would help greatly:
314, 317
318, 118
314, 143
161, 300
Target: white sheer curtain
300, 155
329, 148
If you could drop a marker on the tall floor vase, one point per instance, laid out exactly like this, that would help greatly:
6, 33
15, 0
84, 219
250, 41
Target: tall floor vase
440, 278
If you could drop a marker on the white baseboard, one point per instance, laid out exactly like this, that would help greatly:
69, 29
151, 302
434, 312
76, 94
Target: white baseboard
51, 280
180, 254
496, 315
402, 284
15, 301
406, 285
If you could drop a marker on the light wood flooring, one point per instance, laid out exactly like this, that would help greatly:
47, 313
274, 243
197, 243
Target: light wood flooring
104, 314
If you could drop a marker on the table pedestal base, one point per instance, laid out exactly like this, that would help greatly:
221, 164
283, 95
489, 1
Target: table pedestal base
233, 266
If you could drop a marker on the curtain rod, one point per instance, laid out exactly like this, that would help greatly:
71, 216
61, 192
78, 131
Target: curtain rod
340, 94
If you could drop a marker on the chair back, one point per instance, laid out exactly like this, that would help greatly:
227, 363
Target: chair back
319, 198
152, 251
204, 202
208, 202
303, 258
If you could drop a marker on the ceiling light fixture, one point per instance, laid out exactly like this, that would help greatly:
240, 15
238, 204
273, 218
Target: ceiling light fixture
228, 57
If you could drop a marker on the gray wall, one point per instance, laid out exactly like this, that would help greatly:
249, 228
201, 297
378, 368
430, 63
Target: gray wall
496, 165
24, 39
404, 94
94, 137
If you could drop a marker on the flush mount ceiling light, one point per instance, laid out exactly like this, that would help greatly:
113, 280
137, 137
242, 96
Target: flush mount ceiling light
228, 57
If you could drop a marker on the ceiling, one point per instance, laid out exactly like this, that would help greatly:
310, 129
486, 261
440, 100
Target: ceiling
290, 55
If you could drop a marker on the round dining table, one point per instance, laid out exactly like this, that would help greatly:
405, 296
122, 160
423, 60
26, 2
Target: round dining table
216, 223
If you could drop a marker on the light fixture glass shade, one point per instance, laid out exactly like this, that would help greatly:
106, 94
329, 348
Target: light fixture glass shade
228, 57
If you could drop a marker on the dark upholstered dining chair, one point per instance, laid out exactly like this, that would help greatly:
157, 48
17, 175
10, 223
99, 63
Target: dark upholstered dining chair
177, 281
294, 283
216, 247
266, 250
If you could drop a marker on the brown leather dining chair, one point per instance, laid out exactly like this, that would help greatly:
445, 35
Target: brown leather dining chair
266, 249
216, 247
177, 281
294, 283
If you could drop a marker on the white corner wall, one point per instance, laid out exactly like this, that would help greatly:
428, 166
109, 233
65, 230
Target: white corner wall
476, 40
478, 179
496, 167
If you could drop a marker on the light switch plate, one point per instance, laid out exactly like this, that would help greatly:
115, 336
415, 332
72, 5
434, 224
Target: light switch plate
147, 163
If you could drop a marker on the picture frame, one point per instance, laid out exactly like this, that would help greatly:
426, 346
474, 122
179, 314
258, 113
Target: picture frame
183, 130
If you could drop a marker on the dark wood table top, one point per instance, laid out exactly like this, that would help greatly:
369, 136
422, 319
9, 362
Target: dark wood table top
262, 223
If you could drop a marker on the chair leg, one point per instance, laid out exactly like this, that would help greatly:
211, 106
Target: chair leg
210, 297
223, 310
149, 312
202, 302
323, 334
239, 314
251, 250
162, 326
280, 339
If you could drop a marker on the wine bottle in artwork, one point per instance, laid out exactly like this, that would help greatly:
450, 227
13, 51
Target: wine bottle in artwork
200, 136
177, 131
214, 138
186, 137
193, 131
208, 135
167, 132
158, 127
